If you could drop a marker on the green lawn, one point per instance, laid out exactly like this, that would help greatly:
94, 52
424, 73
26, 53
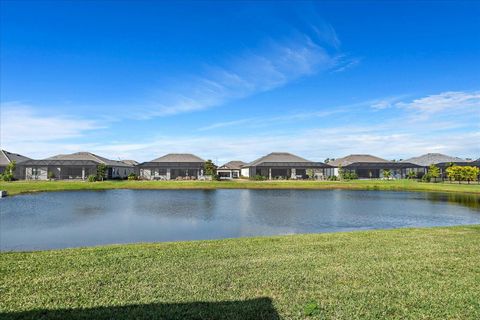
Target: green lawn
35, 186
396, 274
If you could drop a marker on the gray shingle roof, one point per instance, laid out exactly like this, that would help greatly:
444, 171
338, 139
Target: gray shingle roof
356, 158
7, 157
233, 165
179, 157
130, 162
277, 157
89, 156
433, 158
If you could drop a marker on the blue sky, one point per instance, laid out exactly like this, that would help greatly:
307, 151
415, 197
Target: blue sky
236, 80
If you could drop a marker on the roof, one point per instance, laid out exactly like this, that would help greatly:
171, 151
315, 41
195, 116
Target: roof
233, 165
178, 157
130, 162
277, 157
7, 157
57, 162
433, 158
357, 158
88, 156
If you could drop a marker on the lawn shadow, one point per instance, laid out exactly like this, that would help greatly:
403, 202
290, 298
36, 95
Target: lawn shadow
261, 308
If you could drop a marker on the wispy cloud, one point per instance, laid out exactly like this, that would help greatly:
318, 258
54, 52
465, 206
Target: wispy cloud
345, 62
263, 121
23, 123
452, 103
275, 64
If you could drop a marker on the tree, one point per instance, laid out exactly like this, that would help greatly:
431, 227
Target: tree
433, 171
466, 173
471, 173
101, 172
454, 173
210, 169
8, 174
411, 174
387, 173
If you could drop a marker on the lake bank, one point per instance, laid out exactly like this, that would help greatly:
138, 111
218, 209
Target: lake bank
404, 273
19, 187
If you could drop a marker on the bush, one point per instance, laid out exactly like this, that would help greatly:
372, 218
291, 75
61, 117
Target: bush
92, 178
348, 175
259, 177
132, 176
8, 173
50, 175
6, 176
332, 178
411, 174
426, 178
462, 173
101, 172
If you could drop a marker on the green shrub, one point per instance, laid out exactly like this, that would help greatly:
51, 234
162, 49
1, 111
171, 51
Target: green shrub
132, 176
426, 177
332, 178
259, 177
92, 178
348, 175
101, 172
51, 175
411, 174
9, 170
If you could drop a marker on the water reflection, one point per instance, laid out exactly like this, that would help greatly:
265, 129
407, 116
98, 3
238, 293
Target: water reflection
68, 219
467, 200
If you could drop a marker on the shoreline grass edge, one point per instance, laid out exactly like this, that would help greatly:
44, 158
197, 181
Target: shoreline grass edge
21, 187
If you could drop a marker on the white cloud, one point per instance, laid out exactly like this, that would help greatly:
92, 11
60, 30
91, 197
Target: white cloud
267, 68
22, 123
454, 103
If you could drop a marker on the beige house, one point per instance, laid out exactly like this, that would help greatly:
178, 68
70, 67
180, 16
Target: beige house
77, 165
230, 170
284, 165
172, 166
440, 160
371, 167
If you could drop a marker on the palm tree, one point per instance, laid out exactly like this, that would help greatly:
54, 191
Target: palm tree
387, 173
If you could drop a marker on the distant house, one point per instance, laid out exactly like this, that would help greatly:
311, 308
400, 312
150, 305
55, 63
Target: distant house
371, 167
440, 160
7, 157
283, 165
77, 165
173, 166
230, 170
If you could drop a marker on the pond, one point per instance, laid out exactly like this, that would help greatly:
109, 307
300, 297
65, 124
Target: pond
85, 218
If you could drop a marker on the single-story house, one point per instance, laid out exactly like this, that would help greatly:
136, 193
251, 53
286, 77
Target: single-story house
7, 157
230, 170
172, 166
440, 160
371, 167
77, 165
283, 165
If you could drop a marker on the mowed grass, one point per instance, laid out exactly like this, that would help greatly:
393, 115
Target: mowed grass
395, 274
18, 187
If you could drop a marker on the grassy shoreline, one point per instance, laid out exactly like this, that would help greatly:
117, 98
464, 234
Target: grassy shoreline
430, 273
19, 187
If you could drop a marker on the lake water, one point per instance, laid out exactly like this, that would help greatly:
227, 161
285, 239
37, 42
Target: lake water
85, 218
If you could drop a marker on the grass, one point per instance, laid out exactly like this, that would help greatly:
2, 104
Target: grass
18, 187
395, 274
